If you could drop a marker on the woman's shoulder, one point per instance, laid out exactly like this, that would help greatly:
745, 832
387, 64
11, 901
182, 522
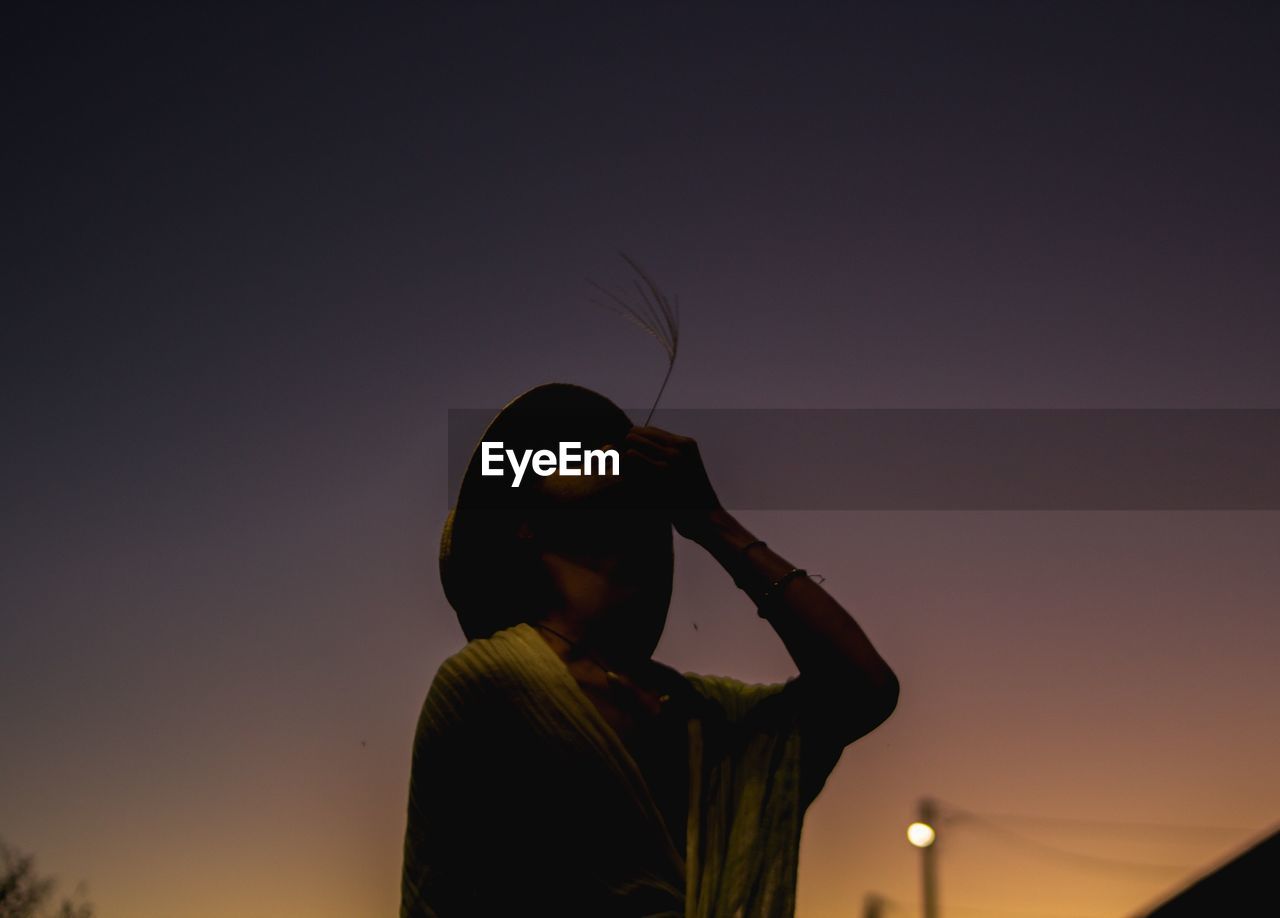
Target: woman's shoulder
474, 665
482, 669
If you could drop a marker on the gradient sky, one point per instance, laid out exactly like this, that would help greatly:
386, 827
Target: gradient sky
253, 256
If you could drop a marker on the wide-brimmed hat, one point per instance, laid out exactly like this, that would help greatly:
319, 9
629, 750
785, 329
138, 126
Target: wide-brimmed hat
488, 575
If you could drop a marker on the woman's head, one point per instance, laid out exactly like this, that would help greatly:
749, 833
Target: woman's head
593, 544
605, 561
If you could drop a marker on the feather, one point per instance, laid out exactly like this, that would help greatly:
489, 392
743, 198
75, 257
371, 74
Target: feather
653, 312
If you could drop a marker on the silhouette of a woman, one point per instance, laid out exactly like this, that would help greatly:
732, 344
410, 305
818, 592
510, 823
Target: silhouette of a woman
557, 768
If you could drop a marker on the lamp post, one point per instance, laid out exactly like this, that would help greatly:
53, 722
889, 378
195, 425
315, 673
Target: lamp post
924, 836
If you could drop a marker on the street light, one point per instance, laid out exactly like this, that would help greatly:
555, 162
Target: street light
921, 834
924, 836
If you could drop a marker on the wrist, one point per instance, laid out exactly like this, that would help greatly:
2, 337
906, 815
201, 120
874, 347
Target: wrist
718, 529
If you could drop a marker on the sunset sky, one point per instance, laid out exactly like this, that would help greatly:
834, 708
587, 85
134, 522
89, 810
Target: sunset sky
253, 257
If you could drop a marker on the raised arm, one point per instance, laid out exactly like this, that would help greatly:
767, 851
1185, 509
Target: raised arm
834, 656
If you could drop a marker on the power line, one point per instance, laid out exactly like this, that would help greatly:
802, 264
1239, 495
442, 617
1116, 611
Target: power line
1103, 824
913, 909
1020, 913
1092, 860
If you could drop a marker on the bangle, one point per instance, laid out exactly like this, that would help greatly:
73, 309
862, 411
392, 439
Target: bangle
771, 595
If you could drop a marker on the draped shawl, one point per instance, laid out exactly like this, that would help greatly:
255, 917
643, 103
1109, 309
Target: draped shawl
524, 800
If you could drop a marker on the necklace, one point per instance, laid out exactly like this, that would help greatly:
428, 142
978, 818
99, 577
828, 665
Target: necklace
575, 651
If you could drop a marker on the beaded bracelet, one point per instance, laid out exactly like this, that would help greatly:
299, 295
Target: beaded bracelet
775, 590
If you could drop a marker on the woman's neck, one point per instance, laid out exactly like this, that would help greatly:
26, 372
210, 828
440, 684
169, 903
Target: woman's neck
591, 637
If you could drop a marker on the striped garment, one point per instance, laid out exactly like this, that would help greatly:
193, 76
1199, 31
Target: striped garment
523, 800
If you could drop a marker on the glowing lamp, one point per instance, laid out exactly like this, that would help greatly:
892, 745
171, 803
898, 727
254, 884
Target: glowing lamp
921, 834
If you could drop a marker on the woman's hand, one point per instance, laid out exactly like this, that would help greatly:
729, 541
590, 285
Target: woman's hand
671, 468
854, 689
